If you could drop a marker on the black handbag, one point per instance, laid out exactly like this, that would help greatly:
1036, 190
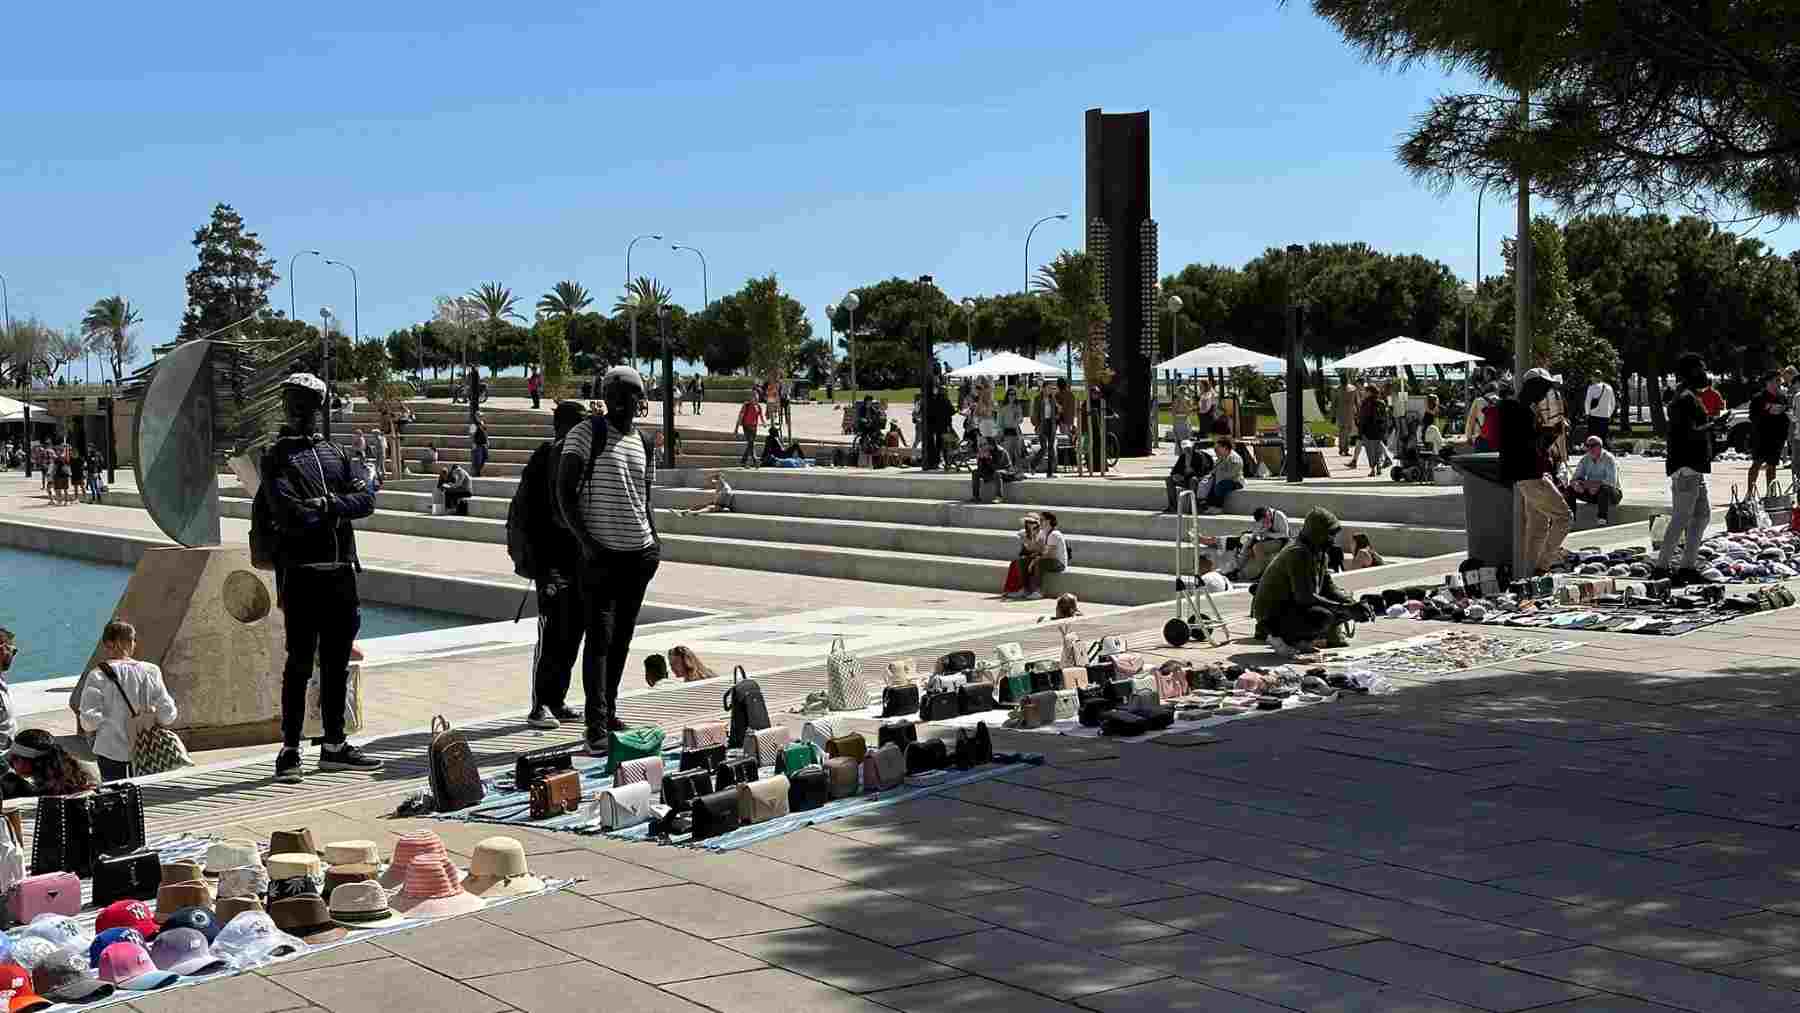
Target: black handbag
745, 702
528, 767
975, 697
679, 790
1040, 682
982, 744
899, 700
127, 877
956, 661
1124, 722
73, 831
1156, 716
734, 772
715, 814
808, 788
1101, 672
900, 733
940, 706
1093, 711
927, 755
704, 758
1119, 691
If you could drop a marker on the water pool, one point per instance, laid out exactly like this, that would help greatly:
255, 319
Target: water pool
57, 605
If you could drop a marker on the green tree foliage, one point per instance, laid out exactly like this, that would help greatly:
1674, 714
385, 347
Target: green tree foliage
772, 347
891, 321
1651, 103
109, 326
1072, 281
1551, 291
1027, 324
812, 360
497, 306
1209, 293
721, 336
505, 345
25, 350
232, 279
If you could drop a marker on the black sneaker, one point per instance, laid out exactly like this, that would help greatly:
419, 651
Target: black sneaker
347, 757
563, 712
599, 748
288, 767
617, 724
542, 718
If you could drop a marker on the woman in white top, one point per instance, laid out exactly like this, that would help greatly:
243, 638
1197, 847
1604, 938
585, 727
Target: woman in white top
1205, 405
1052, 557
119, 697
1031, 547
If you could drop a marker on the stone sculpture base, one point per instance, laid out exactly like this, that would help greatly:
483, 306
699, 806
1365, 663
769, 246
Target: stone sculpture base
209, 620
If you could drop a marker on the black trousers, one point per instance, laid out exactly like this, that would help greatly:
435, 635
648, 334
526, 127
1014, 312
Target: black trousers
1298, 624
535, 396
612, 593
113, 770
323, 616
1173, 486
1601, 426
561, 625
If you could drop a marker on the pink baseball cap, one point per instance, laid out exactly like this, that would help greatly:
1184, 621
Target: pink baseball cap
128, 965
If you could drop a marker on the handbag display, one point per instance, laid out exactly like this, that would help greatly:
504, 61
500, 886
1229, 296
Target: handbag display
744, 702
898, 700
898, 733
314, 725
981, 744
1011, 658
795, 756
1101, 672
808, 789
945, 683
904, 672
1776, 499
1156, 716
713, 733
927, 755
819, 731
1142, 683
528, 767
645, 769
1093, 711
1066, 708
764, 800
1128, 664
1119, 691
734, 772
884, 768
1171, 681
1014, 687
73, 831
679, 790
1124, 723
764, 744
715, 814
51, 893
842, 774
1074, 677
633, 743
976, 697
12, 853
120, 877
455, 783
940, 706
1042, 681
844, 688
154, 749
704, 758
852, 745
555, 794
623, 805
1038, 710
1143, 698
956, 661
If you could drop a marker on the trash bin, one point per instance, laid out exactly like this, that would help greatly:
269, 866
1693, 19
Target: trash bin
1487, 507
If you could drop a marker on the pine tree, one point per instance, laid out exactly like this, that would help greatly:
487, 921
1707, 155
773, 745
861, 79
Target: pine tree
231, 281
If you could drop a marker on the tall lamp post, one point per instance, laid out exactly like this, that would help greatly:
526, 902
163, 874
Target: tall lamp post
24, 364
1060, 216
705, 290
649, 235
293, 309
968, 306
927, 384
668, 368
325, 317
355, 300
831, 346
850, 303
1467, 292
1296, 374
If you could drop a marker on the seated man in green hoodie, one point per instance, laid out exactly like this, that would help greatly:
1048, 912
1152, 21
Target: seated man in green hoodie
1296, 603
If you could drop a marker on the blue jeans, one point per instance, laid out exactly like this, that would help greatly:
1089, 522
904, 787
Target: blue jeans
478, 455
1221, 489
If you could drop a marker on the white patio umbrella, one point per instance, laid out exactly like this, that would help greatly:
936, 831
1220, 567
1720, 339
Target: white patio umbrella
13, 410
1004, 364
1403, 351
1220, 355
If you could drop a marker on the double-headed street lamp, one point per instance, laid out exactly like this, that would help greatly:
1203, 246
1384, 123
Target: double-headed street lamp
634, 308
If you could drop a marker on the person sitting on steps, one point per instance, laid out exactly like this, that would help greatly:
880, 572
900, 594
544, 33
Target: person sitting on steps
992, 466
1227, 474
1296, 602
1192, 465
454, 485
723, 497
1052, 557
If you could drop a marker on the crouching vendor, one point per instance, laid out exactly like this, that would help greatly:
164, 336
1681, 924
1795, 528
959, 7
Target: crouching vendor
1296, 603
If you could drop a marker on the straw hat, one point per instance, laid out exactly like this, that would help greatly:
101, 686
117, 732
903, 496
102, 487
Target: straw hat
287, 865
299, 840
362, 906
245, 881
498, 869
231, 907
431, 890
172, 897
230, 854
352, 853
307, 919
184, 872
341, 875
409, 846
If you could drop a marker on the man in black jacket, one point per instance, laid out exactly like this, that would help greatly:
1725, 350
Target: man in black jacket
1191, 465
561, 622
315, 492
1688, 464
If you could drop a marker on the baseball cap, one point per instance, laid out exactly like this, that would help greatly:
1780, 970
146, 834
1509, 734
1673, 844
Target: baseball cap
30, 951
197, 918
60, 931
127, 914
128, 965
305, 381
252, 936
16, 991
186, 952
111, 936
63, 977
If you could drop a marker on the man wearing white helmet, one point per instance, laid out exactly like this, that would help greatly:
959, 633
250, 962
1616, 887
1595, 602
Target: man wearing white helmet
315, 491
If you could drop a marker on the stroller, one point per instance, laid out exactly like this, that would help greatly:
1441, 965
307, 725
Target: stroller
1412, 462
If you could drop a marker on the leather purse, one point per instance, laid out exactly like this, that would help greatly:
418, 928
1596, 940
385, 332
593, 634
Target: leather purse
623, 805
528, 767
1014, 687
1074, 678
842, 773
975, 698
808, 789
794, 756
455, 783
940, 706
127, 877
1128, 663
1066, 707
647, 769
1040, 681
819, 731
679, 790
764, 800
1100, 673
852, 745
1171, 681
945, 683
956, 661
764, 744
1093, 711
51, 893
713, 733
884, 768
902, 672
715, 814
1038, 710
1123, 722
898, 733
1010, 658
1119, 691
927, 755
1143, 698
1156, 716
703, 758
733, 772
981, 744
555, 794
899, 700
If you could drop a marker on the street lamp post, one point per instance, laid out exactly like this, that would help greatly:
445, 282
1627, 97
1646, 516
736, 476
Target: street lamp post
1174, 305
1467, 293
355, 300
968, 306
293, 309
1061, 216
851, 302
1296, 406
325, 317
25, 364
668, 368
650, 235
705, 295
831, 347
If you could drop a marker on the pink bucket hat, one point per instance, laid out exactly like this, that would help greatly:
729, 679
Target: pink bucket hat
432, 891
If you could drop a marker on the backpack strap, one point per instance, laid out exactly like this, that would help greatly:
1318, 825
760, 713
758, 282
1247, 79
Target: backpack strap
106, 667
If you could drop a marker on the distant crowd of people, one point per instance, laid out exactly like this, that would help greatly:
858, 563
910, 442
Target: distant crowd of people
68, 475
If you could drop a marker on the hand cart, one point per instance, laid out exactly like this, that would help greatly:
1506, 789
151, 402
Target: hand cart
1191, 621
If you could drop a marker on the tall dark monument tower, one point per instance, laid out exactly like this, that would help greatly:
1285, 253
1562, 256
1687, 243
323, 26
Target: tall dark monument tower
1122, 235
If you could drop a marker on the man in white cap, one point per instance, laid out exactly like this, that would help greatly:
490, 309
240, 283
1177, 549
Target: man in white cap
603, 483
314, 492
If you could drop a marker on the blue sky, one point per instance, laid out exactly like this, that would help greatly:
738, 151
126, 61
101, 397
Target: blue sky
436, 146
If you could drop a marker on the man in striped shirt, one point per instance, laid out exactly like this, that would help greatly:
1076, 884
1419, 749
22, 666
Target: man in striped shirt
603, 490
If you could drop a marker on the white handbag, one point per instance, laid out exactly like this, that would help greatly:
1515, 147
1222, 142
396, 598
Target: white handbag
946, 683
904, 672
622, 806
844, 689
819, 731
1072, 654
1010, 659
353, 705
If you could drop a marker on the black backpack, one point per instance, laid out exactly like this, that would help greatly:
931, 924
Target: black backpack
529, 510
745, 702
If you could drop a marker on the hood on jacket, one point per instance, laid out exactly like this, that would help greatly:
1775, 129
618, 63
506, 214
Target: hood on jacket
1320, 529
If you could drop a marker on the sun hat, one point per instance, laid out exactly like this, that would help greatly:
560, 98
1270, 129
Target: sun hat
128, 965
307, 918
183, 872
409, 846
352, 853
186, 952
362, 905
230, 907
339, 875
197, 918
172, 897
60, 931
16, 991
252, 937
127, 914
63, 977
288, 864
244, 881
299, 840
432, 891
111, 936
498, 869
230, 854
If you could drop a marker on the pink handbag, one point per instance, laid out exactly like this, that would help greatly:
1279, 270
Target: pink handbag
51, 893
1127, 663
645, 769
702, 736
1171, 681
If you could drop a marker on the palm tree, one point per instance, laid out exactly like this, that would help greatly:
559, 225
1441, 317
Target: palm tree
565, 300
643, 295
1073, 280
108, 325
495, 302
